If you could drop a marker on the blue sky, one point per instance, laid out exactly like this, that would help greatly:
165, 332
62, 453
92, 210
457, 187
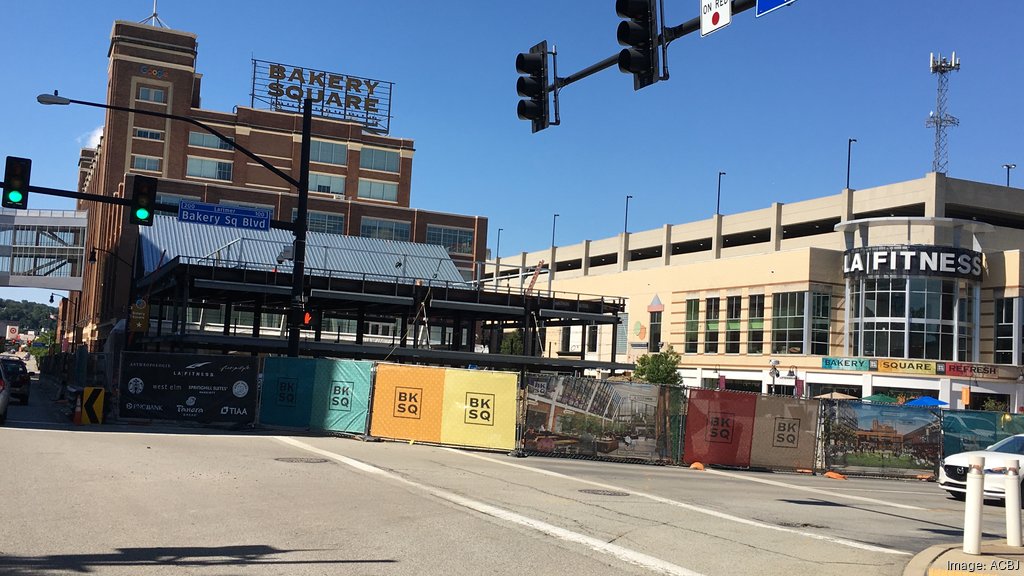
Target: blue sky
771, 101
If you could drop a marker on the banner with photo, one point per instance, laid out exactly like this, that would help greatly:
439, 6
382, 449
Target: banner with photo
881, 439
967, 430
593, 418
189, 387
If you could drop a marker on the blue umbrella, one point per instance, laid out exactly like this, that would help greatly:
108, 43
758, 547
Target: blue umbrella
926, 401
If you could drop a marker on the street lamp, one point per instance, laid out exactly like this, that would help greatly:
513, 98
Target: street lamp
849, 150
553, 220
774, 373
497, 258
551, 265
718, 202
625, 226
1008, 168
299, 227
92, 259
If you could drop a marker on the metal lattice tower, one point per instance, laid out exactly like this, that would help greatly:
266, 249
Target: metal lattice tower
154, 20
939, 119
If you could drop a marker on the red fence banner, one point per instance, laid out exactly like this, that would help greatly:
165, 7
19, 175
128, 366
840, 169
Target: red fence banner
719, 427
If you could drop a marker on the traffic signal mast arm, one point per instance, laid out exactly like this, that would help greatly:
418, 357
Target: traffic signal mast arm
196, 123
671, 34
159, 206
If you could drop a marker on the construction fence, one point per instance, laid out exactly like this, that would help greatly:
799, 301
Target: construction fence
552, 415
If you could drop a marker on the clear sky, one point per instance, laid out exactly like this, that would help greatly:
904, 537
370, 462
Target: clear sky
771, 101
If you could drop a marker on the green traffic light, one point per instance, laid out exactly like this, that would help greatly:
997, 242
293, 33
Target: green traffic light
15, 196
142, 213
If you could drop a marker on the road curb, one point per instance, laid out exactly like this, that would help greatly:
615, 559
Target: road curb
923, 561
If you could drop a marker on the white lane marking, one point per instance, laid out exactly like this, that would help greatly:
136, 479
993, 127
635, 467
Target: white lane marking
831, 493
693, 508
938, 493
624, 554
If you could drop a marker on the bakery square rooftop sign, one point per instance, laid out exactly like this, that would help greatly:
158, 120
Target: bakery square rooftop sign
351, 98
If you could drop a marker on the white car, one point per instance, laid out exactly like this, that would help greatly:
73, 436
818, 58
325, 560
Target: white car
953, 469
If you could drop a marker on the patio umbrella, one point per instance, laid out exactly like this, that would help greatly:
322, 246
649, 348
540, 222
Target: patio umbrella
880, 398
926, 401
836, 396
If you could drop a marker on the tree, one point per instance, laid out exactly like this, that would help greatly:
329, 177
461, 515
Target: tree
512, 343
660, 368
46, 339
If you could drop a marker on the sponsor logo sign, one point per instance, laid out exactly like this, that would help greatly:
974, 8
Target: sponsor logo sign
187, 387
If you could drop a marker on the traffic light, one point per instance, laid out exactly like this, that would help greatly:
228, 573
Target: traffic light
640, 33
16, 182
143, 200
534, 86
309, 320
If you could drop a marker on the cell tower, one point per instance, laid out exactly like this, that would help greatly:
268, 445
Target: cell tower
154, 20
939, 119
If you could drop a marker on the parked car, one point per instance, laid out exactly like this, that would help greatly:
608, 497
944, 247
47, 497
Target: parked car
953, 469
14, 372
5, 399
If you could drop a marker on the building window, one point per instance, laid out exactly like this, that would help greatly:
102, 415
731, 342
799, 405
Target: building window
204, 140
566, 343
374, 159
148, 163
1004, 331
692, 325
788, 323
622, 334
326, 183
654, 337
711, 314
821, 312
149, 94
455, 240
755, 324
733, 304
328, 152
384, 229
373, 190
325, 222
164, 198
147, 134
206, 168
965, 328
592, 338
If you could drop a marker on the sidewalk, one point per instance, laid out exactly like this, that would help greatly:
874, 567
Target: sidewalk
949, 559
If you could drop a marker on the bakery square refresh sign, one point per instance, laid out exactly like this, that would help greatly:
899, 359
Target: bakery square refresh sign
283, 87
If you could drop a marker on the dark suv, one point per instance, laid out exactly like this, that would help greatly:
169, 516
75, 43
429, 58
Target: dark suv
14, 373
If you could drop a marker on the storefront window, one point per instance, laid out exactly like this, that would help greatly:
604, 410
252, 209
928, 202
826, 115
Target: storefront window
788, 323
692, 324
1004, 331
901, 318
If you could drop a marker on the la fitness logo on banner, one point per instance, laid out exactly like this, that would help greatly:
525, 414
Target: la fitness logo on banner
912, 261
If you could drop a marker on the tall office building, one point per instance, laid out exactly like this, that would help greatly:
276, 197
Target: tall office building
360, 177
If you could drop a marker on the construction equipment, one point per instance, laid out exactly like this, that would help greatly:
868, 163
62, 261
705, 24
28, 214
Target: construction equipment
533, 280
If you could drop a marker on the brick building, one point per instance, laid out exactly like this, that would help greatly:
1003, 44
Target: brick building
360, 178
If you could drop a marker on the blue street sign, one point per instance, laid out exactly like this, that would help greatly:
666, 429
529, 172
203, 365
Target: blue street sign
224, 215
766, 6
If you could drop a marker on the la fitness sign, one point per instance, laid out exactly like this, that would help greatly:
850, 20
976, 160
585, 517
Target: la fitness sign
885, 261
353, 98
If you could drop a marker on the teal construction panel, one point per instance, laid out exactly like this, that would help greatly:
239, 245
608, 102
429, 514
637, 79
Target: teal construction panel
341, 396
287, 392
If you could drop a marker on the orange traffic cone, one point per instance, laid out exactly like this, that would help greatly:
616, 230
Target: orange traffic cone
77, 419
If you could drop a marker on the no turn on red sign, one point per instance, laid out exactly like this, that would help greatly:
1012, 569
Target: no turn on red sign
714, 15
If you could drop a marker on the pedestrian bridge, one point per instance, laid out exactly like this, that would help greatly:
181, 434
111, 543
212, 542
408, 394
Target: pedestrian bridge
42, 248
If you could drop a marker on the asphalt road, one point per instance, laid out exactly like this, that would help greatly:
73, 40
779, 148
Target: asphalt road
114, 500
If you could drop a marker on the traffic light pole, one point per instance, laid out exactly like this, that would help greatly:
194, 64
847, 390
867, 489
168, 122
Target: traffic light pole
670, 34
299, 227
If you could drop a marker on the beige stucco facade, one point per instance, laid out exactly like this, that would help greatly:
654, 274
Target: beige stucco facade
799, 248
